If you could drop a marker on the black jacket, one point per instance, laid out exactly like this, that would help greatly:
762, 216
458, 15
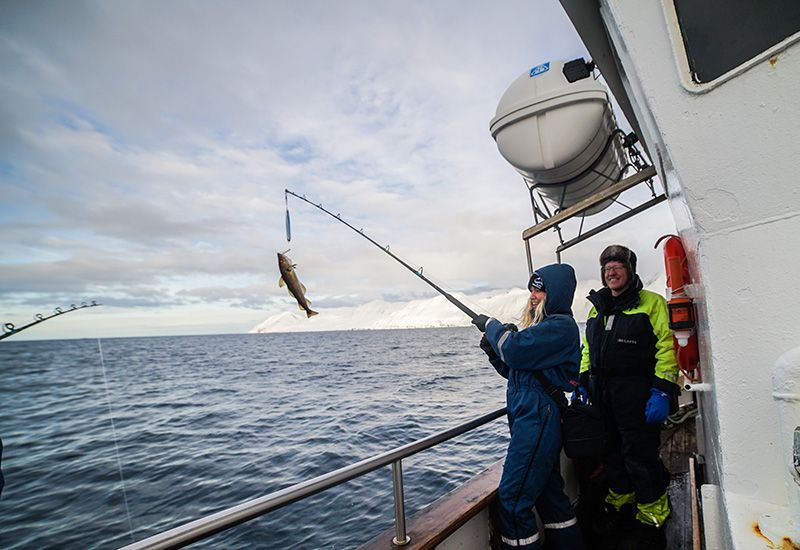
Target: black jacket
629, 335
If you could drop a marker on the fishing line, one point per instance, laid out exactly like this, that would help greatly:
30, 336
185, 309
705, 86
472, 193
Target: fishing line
417, 272
116, 445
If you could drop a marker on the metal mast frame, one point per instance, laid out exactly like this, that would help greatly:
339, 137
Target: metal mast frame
550, 221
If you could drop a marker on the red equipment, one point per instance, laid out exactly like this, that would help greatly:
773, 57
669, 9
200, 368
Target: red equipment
682, 318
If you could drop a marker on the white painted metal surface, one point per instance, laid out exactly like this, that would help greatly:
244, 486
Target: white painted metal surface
786, 393
713, 529
472, 535
728, 157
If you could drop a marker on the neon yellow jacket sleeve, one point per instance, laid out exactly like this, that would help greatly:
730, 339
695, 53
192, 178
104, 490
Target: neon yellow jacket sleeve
585, 364
666, 362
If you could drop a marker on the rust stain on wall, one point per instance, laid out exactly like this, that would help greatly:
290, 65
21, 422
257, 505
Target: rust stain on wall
757, 531
786, 543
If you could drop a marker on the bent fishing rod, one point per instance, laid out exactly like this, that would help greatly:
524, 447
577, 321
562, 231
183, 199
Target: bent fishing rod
418, 272
9, 329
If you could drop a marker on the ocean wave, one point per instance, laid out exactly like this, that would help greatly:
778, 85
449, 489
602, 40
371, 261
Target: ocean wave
200, 424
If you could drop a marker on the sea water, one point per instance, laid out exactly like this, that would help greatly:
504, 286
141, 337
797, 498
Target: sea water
111, 441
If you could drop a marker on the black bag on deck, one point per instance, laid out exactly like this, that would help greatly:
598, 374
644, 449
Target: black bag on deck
582, 430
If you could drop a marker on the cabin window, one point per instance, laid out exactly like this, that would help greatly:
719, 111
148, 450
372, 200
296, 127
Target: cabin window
720, 35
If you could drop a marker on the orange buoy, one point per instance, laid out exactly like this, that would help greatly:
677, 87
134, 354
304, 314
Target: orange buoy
682, 318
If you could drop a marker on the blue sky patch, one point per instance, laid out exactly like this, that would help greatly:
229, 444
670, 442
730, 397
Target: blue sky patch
7, 169
78, 119
295, 151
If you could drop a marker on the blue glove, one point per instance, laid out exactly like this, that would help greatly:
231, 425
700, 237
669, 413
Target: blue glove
657, 408
480, 322
580, 393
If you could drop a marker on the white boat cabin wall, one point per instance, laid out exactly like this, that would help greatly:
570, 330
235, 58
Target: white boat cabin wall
724, 134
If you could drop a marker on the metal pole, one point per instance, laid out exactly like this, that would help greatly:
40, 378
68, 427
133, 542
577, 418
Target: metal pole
9, 329
528, 256
401, 537
199, 529
610, 223
588, 202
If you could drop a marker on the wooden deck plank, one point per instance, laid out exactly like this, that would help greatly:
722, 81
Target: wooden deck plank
677, 445
679, 527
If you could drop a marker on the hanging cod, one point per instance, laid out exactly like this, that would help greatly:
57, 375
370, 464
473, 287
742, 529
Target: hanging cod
296, 289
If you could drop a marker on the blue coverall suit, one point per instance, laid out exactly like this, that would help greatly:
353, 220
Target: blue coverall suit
531, 474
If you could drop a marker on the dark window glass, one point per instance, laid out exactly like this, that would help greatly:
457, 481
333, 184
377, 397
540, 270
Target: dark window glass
720, 35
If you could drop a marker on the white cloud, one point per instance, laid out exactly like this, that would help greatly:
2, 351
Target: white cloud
147, 145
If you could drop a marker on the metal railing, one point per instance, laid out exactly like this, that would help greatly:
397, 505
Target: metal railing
202, 528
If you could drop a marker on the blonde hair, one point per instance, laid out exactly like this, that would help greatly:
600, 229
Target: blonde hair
531, 317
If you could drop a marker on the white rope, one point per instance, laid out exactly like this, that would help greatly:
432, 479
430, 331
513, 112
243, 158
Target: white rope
116, 445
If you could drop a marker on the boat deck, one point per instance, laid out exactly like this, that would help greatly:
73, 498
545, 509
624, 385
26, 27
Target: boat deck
444, 521
678, 445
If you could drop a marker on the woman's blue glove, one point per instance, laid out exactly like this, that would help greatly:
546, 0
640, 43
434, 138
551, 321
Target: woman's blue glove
657, 408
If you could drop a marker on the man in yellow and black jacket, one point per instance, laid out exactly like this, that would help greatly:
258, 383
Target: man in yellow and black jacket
629, 367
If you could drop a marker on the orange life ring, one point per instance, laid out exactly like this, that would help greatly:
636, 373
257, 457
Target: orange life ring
682, 318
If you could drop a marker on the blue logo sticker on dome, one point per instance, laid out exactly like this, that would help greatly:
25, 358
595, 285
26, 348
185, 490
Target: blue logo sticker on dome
539, 69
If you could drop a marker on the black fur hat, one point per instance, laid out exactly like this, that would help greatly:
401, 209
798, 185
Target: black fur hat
618, 253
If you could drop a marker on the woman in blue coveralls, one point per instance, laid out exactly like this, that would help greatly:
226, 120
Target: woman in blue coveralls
541, 362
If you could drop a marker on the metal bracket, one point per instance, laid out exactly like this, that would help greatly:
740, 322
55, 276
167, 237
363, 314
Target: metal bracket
644, 175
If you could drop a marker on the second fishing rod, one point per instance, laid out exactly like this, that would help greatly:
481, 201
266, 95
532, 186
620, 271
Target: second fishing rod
418, 272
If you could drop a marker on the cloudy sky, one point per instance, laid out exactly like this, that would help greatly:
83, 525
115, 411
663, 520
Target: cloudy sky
145, 147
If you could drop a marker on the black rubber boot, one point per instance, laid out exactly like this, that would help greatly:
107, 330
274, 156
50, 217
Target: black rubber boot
645, 537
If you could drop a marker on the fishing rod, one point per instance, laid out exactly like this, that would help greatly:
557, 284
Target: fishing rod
417, 272
9, 329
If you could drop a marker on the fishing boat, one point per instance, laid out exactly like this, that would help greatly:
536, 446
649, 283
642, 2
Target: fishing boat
710, 92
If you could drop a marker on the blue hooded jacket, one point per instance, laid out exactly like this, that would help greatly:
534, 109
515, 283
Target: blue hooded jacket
551, 347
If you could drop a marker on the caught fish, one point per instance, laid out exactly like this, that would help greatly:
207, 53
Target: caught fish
293, 284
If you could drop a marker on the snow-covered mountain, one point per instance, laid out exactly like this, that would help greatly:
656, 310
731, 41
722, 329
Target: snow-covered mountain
505, 305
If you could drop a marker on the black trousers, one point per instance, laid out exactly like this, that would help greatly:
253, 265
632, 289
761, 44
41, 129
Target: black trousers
632, 462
